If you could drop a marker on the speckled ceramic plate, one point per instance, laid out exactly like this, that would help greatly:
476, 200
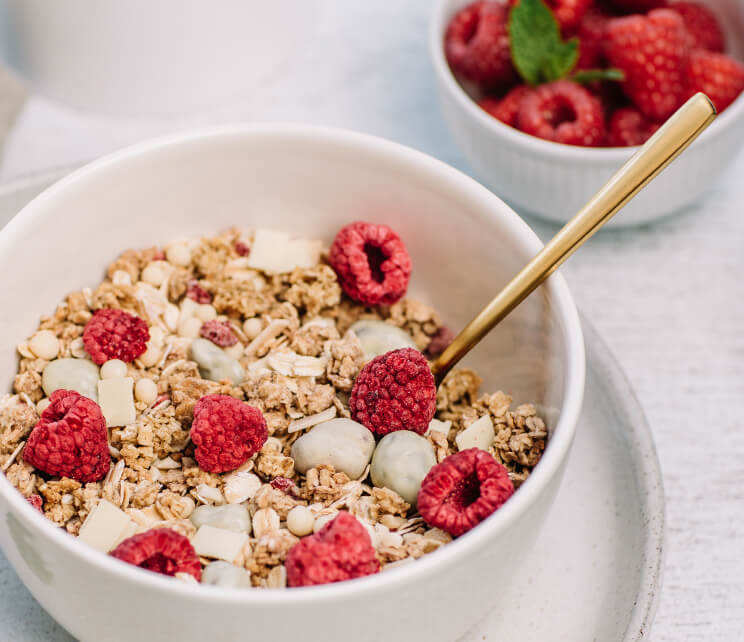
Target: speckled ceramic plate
595, 572
596, 569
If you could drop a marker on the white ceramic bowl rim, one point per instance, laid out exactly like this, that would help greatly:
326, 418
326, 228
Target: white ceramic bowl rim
437, 27
574, 359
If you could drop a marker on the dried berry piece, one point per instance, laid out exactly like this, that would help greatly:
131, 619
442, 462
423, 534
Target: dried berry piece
371, 262
197, 293
160, 550
115, 334
341, 550
226, 432
35, 501
219, 332
284, 484
439, 342
243, 249
70, 439
394, 391
464, 489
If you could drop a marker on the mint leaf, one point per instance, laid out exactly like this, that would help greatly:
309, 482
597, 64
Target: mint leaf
538, 52
590, 75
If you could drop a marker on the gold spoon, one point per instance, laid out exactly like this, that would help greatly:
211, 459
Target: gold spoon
672, 138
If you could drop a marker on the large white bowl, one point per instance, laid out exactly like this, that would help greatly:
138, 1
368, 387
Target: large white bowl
554, 181
465, 243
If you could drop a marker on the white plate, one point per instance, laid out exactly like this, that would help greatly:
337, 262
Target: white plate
595, 572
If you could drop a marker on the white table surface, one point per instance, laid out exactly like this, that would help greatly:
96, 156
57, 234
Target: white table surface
667, 298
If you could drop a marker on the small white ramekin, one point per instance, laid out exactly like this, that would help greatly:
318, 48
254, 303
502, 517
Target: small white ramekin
554, 181
465, 244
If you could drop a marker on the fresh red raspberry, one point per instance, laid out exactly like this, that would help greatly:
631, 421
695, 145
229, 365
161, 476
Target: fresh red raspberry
636, 6
243, 249
219, 332
70, 439
702, 25
506, 109
477, 45
568, 13
394, 391
717, 75
371, 262
341, 550
35, 501
564, 112
629, 127
464, 489
439, 342
197, 293
590, 33
115, 334
226, 432
652, 51
160, 550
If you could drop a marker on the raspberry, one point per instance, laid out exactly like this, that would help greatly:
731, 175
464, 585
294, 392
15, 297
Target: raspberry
341, 550
477, 45
590, 32
629, 127
439, 342
563, 112
115, 334
161, 550
717, 75
394, 391
371, 262
35, 501
197, 293
568, 13
464, 489
702, 25
226, 432
652, 51
219, 332
243, 249
637, 6
506, 109
70, 439
283, 484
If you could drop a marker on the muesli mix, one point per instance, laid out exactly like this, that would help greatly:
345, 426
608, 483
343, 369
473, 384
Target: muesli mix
252, 410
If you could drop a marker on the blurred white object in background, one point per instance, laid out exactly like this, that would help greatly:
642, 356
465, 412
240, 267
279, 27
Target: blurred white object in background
151, 57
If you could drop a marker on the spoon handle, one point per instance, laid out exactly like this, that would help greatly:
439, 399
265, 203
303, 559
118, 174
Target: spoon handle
662, 148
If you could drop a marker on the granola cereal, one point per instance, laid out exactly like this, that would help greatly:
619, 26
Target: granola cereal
286, 348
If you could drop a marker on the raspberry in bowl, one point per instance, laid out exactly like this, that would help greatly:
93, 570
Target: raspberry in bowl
581, 94
220, 486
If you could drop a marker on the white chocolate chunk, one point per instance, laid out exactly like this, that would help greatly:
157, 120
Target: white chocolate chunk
178, 254
479, 434
44, 344
300, 521
113, 369
241, 486
116, 398
106, 526
435, 425
146, 391
218, 543
273, 252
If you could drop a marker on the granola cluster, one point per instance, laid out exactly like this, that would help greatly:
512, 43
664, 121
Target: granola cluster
299, 360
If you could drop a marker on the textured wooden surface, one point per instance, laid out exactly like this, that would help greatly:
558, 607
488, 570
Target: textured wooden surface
668, 299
